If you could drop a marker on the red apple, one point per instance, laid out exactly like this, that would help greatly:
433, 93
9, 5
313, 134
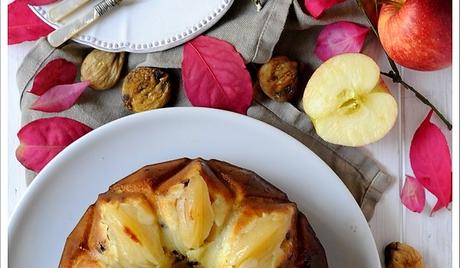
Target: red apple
417, 33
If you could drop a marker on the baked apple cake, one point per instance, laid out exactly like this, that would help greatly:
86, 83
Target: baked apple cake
193, 213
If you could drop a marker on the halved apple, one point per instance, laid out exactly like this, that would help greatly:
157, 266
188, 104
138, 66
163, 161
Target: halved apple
348, 102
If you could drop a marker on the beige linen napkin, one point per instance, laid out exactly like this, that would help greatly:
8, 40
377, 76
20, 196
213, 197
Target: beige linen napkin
281, 27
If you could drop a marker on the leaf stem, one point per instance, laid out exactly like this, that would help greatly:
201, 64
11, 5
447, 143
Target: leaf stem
360, 5
396, 76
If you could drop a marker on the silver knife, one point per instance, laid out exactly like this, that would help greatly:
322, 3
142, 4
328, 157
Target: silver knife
59, 36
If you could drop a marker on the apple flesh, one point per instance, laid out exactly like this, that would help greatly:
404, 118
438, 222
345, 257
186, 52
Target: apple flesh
348, 102
417, 33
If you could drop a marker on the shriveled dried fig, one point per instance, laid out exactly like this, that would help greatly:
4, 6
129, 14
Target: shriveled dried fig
102, 68
278, 78
146, 88
400, 255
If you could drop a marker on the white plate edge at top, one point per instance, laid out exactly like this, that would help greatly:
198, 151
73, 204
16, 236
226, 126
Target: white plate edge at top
153, 46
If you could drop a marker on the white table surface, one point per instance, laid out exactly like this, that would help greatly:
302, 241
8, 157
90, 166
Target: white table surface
432, 236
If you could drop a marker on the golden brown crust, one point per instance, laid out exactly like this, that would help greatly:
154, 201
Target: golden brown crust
150, 176
245, 183
240, 186
311, 252
76, 245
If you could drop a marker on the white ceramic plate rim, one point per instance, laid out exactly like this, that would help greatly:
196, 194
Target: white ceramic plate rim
153, 46
44, 177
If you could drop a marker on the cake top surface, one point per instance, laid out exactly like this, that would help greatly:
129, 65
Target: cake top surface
193, 213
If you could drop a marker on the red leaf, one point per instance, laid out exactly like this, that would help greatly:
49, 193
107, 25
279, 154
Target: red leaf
413, 195
431, 162
59, 98
317, 7
215, 76
23, 24
56, 72
340, 37
41, 140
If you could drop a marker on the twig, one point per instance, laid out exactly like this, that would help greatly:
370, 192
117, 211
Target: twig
397, 79
396, 76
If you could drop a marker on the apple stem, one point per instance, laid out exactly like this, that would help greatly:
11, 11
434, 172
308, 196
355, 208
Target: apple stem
397, 79
394, 74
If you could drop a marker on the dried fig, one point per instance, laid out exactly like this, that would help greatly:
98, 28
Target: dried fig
278, 78
400, 255
102, 68
146, 88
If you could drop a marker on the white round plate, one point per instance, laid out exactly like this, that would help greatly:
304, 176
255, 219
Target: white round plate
63, 190
142, 26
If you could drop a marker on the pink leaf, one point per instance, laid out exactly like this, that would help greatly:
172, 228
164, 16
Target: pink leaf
413, 195
215, 76
431, 162
59, 98
56, 72
41, 140
317, 7
340, 37
23, 24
